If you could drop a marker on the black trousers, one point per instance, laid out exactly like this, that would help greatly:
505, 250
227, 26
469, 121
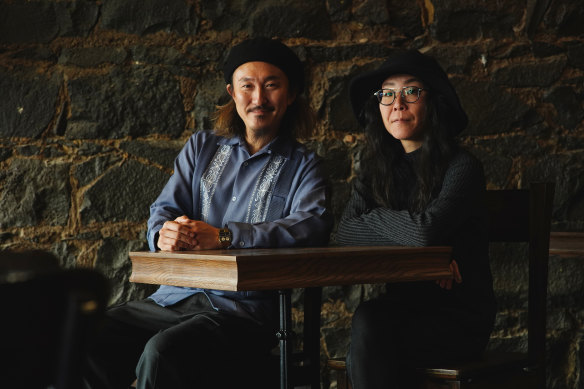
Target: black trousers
390, 337
186, 345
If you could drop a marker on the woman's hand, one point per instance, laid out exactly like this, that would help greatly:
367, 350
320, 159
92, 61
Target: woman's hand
446, 283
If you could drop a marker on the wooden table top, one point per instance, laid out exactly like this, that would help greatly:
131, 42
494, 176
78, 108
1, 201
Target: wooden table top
285, 268
567, 244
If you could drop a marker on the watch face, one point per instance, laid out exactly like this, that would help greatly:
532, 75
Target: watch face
225, 237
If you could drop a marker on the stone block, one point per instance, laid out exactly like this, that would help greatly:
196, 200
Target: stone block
42, 21
32, 103
559, 316
565, 18
114, 263
337, 341
142, 17
505, 51
160, 152
229, 15
545, 49
571, 142
509, 266
511, 146
285, 19
490, 109
541, 73
346, 52
460, 20
77, 17
292, 19
66, 253
28, 21
507, 322
371, 12
92, 56
142, 101
5, 153
566, 171
454, 59
208, 52
90, 170
497, 166
575, 52
336, 155
579, 363
28, 150
123, 193
210, 92
35, 54
34, 193
341, 116
560, 362
350, 296
340, 195
144, 55
405, 17
53, 151
339, 10
568, 104
508, 344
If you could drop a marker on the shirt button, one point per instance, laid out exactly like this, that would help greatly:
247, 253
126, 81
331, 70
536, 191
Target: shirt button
233, 198
242, 243
245, 163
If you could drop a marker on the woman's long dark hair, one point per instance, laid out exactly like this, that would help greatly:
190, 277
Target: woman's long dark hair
383, 152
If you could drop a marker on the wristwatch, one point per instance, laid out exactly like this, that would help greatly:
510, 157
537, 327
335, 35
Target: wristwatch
225, 237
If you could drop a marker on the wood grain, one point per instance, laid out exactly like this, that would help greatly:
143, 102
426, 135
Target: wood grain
261, 269
567, 244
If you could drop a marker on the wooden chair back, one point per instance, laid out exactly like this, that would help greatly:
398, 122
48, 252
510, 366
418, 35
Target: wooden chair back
49, 316
514, 216
525, 216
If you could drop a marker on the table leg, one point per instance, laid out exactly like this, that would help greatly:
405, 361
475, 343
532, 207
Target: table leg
284, 335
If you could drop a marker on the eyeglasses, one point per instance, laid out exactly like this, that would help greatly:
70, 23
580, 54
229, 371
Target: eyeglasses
410, 94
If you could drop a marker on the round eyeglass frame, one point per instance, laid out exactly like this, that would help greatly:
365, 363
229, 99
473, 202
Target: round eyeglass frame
379, 94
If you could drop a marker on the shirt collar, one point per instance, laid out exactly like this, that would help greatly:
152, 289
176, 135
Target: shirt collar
281, 145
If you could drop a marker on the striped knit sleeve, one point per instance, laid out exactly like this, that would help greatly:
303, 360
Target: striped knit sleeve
461, 193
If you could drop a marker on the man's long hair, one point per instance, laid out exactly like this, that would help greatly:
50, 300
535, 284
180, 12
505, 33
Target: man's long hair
297, 122
383, 152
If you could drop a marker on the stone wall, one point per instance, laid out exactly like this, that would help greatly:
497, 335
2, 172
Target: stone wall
97, 97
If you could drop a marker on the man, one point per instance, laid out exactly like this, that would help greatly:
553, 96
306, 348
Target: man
247, 184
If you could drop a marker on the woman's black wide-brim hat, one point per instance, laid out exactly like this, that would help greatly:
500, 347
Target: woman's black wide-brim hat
421, 66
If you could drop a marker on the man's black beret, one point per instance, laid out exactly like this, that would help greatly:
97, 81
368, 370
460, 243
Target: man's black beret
266, 50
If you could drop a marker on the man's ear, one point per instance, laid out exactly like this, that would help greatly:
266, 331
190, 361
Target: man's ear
229, 90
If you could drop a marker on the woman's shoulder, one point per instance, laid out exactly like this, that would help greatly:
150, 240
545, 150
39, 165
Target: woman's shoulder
465, 166
464, 157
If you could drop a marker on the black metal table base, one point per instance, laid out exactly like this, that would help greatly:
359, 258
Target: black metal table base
284, 334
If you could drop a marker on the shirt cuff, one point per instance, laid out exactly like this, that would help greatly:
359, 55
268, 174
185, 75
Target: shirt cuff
153, 238
242, 235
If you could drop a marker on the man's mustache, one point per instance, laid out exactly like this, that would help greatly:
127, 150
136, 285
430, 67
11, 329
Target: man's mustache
267, 108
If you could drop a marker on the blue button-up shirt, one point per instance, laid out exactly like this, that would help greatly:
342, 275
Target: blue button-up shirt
274, 198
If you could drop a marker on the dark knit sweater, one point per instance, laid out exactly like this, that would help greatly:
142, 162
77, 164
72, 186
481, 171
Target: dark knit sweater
456, 217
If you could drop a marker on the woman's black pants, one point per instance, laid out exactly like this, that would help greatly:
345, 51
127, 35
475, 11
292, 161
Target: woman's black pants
390, 338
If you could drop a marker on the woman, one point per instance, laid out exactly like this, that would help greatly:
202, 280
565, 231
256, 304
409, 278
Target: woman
417, 187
